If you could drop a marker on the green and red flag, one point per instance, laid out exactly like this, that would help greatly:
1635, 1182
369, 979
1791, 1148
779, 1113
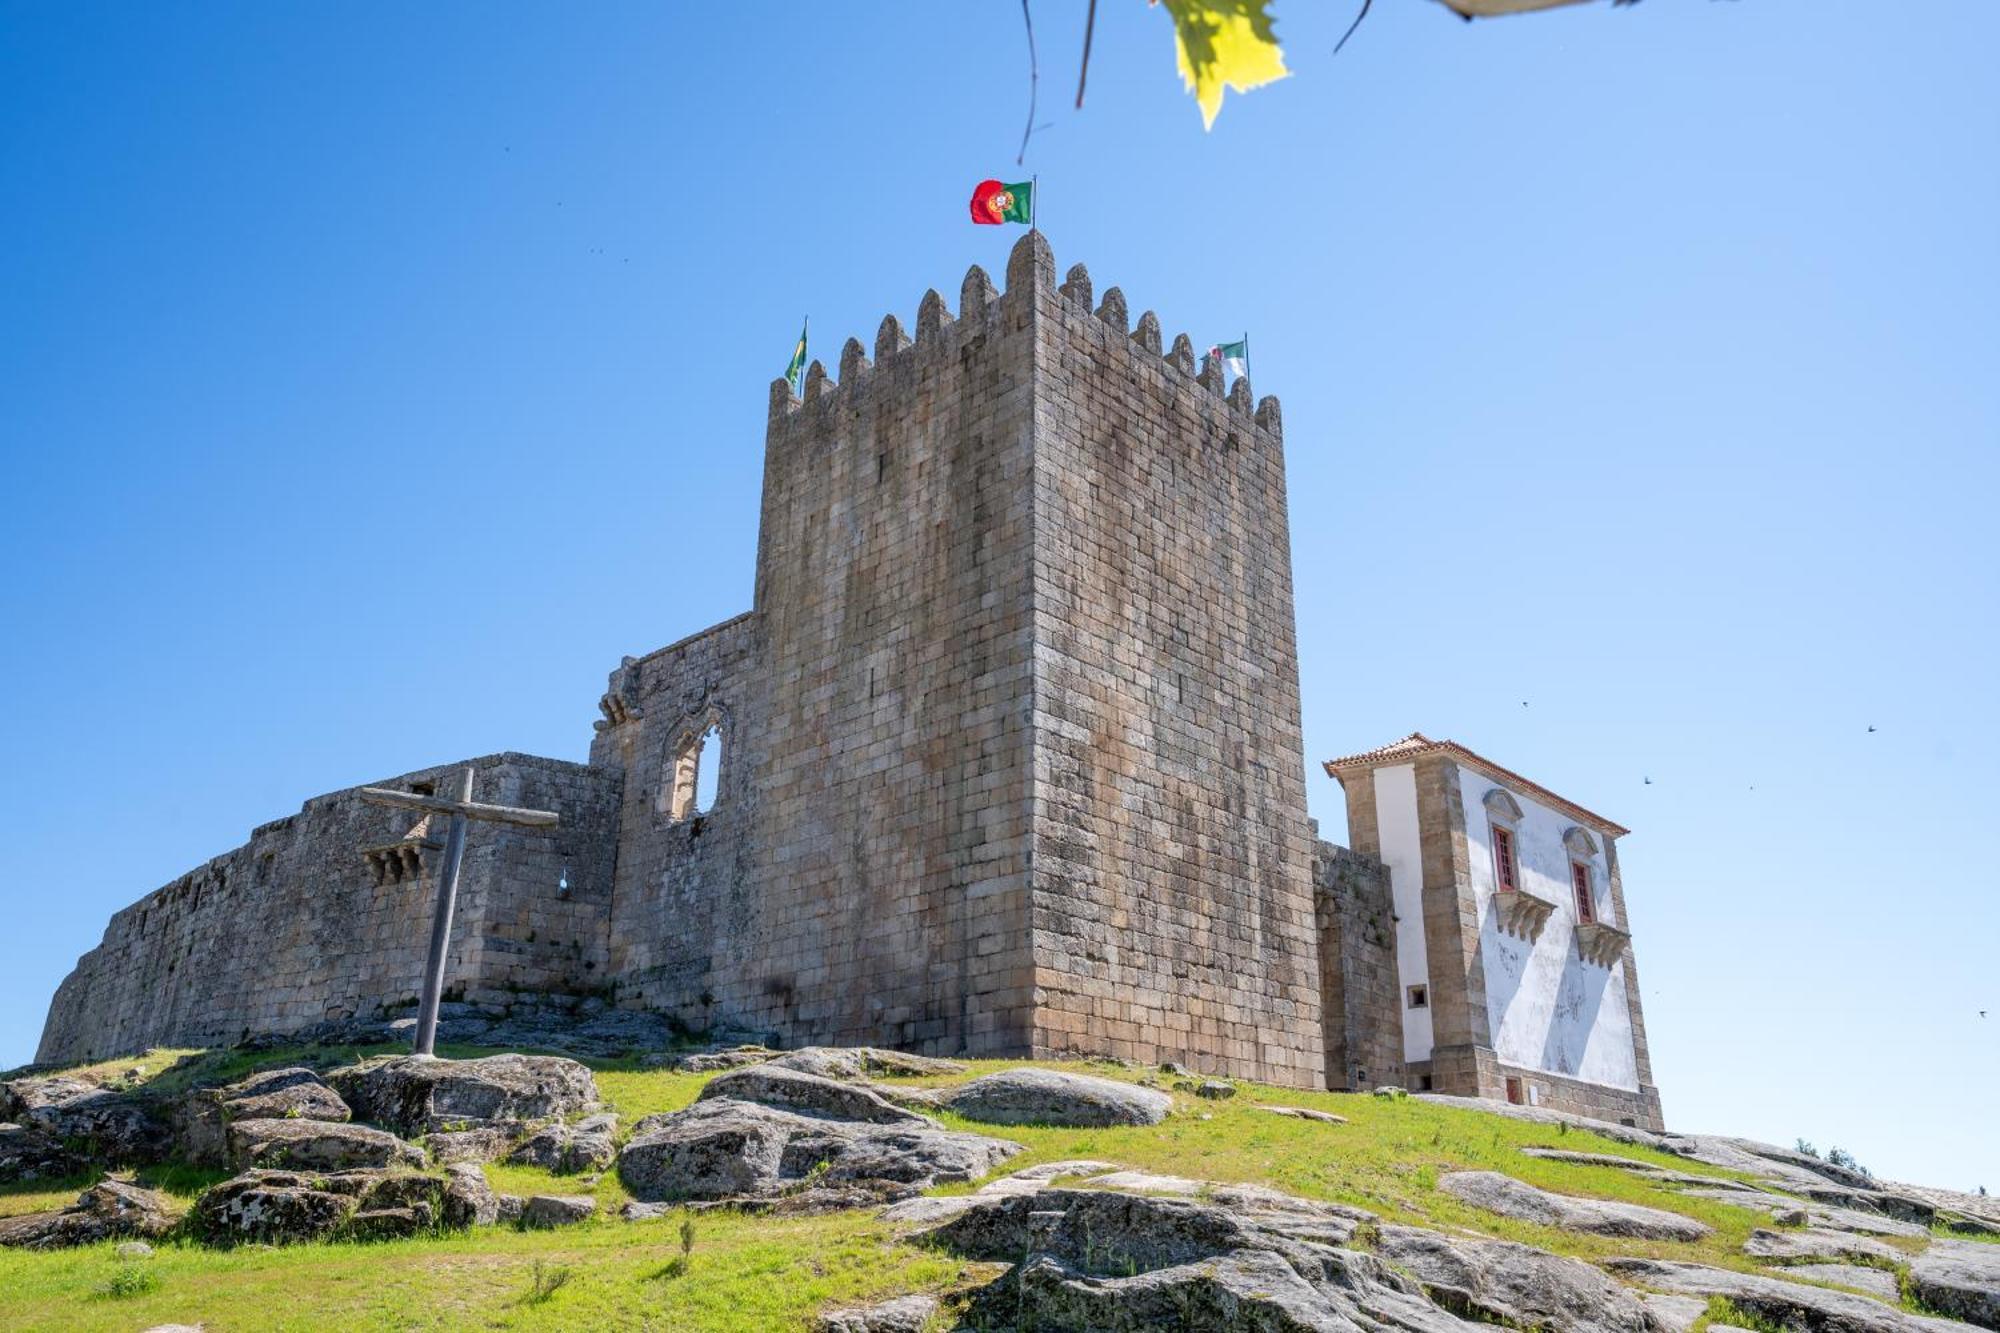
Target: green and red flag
995, 202
796, 372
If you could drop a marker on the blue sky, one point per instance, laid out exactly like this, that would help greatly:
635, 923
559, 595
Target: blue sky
372, 378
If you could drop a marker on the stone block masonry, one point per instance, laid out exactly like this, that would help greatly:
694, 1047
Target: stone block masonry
325, 915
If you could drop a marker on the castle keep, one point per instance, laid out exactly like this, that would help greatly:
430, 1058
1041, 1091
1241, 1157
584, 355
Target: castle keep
1006, 760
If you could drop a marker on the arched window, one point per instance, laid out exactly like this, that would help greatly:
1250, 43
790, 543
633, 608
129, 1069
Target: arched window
694, 773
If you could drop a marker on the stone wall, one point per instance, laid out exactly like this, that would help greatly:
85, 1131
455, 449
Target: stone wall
1173, 905
1361, 1009
296, 927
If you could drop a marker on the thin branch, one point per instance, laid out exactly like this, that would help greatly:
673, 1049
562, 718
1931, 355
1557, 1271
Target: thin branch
1083, 72
1034, 79
1352, 26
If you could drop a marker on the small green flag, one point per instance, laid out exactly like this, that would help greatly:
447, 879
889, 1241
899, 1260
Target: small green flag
795, 373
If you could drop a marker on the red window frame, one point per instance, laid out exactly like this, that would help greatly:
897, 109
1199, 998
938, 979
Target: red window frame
1506, 871
1579, 879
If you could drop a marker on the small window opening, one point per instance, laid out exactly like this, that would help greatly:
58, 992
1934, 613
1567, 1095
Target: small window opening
1420, 997
1423, 1083
1579, 878
1505, 873
1514, 1093
691, 783
423, 789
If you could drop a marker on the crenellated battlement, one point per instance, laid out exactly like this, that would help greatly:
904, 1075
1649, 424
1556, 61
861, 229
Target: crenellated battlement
1030, 274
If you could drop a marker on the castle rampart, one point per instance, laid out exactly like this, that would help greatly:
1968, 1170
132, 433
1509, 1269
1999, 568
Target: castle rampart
324, 915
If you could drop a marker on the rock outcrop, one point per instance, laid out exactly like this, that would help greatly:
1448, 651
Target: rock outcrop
1791, 1305
1046, 1097
28, 1155
731, 1148
108, 1210
584, 1146
202, 1119
1960, 1278
109, 1126
416, 1095
1602, 1217
316, 1145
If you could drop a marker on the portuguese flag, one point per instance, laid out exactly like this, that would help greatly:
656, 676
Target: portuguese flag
995, 202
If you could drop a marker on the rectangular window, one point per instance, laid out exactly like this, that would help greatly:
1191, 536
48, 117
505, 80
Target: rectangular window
1420, 997
1503, 859
1514, 1092
1579, 877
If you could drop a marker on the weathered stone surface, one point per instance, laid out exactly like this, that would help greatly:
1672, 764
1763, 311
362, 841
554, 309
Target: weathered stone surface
316, 1145
277, 1093
927, 1210
905, 1314
1815, 1245
1103, 1260
714, 1062
269, 1207
1518, 1199
723, 1149
108, 1126
390, 1223
565, 1149
1820, 1216
863, 1062
1306, 1113
557, 1210
415, 1095
30, 1155
1960, 1278
108, 1209
1792, 1305
1877, 1282
807, 1094
1496, 1281
1214, 1089
488, 1143
1676, 1314
466, 1199
202, 1118
1046, 1097
134, 1249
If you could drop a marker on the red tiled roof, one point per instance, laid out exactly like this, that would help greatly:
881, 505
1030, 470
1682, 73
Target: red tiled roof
1416, 744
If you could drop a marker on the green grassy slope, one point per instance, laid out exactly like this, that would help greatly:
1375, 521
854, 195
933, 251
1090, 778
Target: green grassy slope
759, 1273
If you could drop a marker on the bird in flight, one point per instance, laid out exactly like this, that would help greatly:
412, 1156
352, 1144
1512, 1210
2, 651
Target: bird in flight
1871, 728
1649, 782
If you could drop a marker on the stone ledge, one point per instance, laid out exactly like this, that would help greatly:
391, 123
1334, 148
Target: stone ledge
1522, 914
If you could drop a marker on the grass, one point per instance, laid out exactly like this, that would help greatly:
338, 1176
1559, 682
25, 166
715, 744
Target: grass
745, 1272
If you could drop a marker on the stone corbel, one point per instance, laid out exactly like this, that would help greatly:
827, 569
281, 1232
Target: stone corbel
1522, 914
1601, 944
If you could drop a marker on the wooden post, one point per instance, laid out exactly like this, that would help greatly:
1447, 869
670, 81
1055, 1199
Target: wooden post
462, 811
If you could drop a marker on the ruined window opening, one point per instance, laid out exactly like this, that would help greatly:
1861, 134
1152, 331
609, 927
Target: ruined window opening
1420, 997
691, 784
1514, 1092
423, 789
1506, 875
1579, 878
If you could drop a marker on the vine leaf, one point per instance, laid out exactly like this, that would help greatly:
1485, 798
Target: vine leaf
1224, 44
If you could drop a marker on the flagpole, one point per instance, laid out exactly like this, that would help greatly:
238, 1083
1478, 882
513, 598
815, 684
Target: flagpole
1034, 200
1246, 351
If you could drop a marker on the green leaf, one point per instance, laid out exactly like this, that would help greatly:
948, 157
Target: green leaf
1225, 44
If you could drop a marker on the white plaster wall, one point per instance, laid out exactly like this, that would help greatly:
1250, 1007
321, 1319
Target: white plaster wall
1402, 852
1547, 1008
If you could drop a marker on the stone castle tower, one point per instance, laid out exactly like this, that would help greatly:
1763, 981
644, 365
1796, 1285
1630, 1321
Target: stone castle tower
1010, 749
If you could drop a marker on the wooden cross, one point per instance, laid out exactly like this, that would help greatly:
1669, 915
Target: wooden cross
461, 810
